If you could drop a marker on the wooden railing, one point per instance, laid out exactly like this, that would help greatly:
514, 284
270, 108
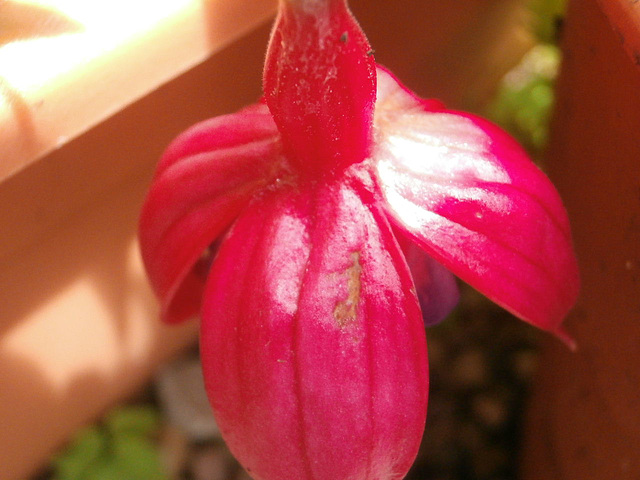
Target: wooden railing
584, 422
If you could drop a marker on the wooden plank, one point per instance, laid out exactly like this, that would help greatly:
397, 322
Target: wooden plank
66, 65
79, 325
584, 422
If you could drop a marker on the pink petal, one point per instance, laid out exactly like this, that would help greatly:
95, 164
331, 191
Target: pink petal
468, 194
435, 285
204, 179
312, 343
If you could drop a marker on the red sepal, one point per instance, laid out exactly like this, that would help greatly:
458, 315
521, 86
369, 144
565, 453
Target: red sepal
204, 179
467, 193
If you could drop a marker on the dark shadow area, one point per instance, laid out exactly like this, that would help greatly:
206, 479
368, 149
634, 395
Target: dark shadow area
29, 402
453, 51
481, 363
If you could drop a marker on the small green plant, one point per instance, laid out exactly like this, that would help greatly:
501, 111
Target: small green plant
120, 448
548, 15
524, 101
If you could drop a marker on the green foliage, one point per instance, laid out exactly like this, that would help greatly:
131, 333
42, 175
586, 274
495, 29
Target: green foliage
547, 15
524, 100
122, 448
140, 420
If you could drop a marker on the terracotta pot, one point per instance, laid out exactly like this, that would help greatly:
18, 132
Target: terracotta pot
584, 422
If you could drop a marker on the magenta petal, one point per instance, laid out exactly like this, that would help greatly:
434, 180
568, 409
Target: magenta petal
204, 179
468, 194
312, 343
237, 130
435, 285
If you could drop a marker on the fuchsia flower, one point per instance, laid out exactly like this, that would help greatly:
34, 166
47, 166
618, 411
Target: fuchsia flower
313, 342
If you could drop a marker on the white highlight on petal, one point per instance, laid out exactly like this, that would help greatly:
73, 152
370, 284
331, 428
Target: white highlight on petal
287, 264
412, 214
438, 144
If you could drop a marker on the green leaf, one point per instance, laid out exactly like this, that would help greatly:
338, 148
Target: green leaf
84, 451
141, 420
547, 15
137, 459
121, 449
524, 100
105, 469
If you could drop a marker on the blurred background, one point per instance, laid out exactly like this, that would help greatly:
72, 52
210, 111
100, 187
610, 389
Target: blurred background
92, 387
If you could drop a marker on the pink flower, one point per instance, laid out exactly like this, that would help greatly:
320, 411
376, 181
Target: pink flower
313, 342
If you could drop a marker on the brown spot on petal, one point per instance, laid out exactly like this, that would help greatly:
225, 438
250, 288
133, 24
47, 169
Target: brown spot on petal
346, 310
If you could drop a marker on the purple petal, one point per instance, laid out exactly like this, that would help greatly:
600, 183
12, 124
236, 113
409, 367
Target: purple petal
435, 285
470, 197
